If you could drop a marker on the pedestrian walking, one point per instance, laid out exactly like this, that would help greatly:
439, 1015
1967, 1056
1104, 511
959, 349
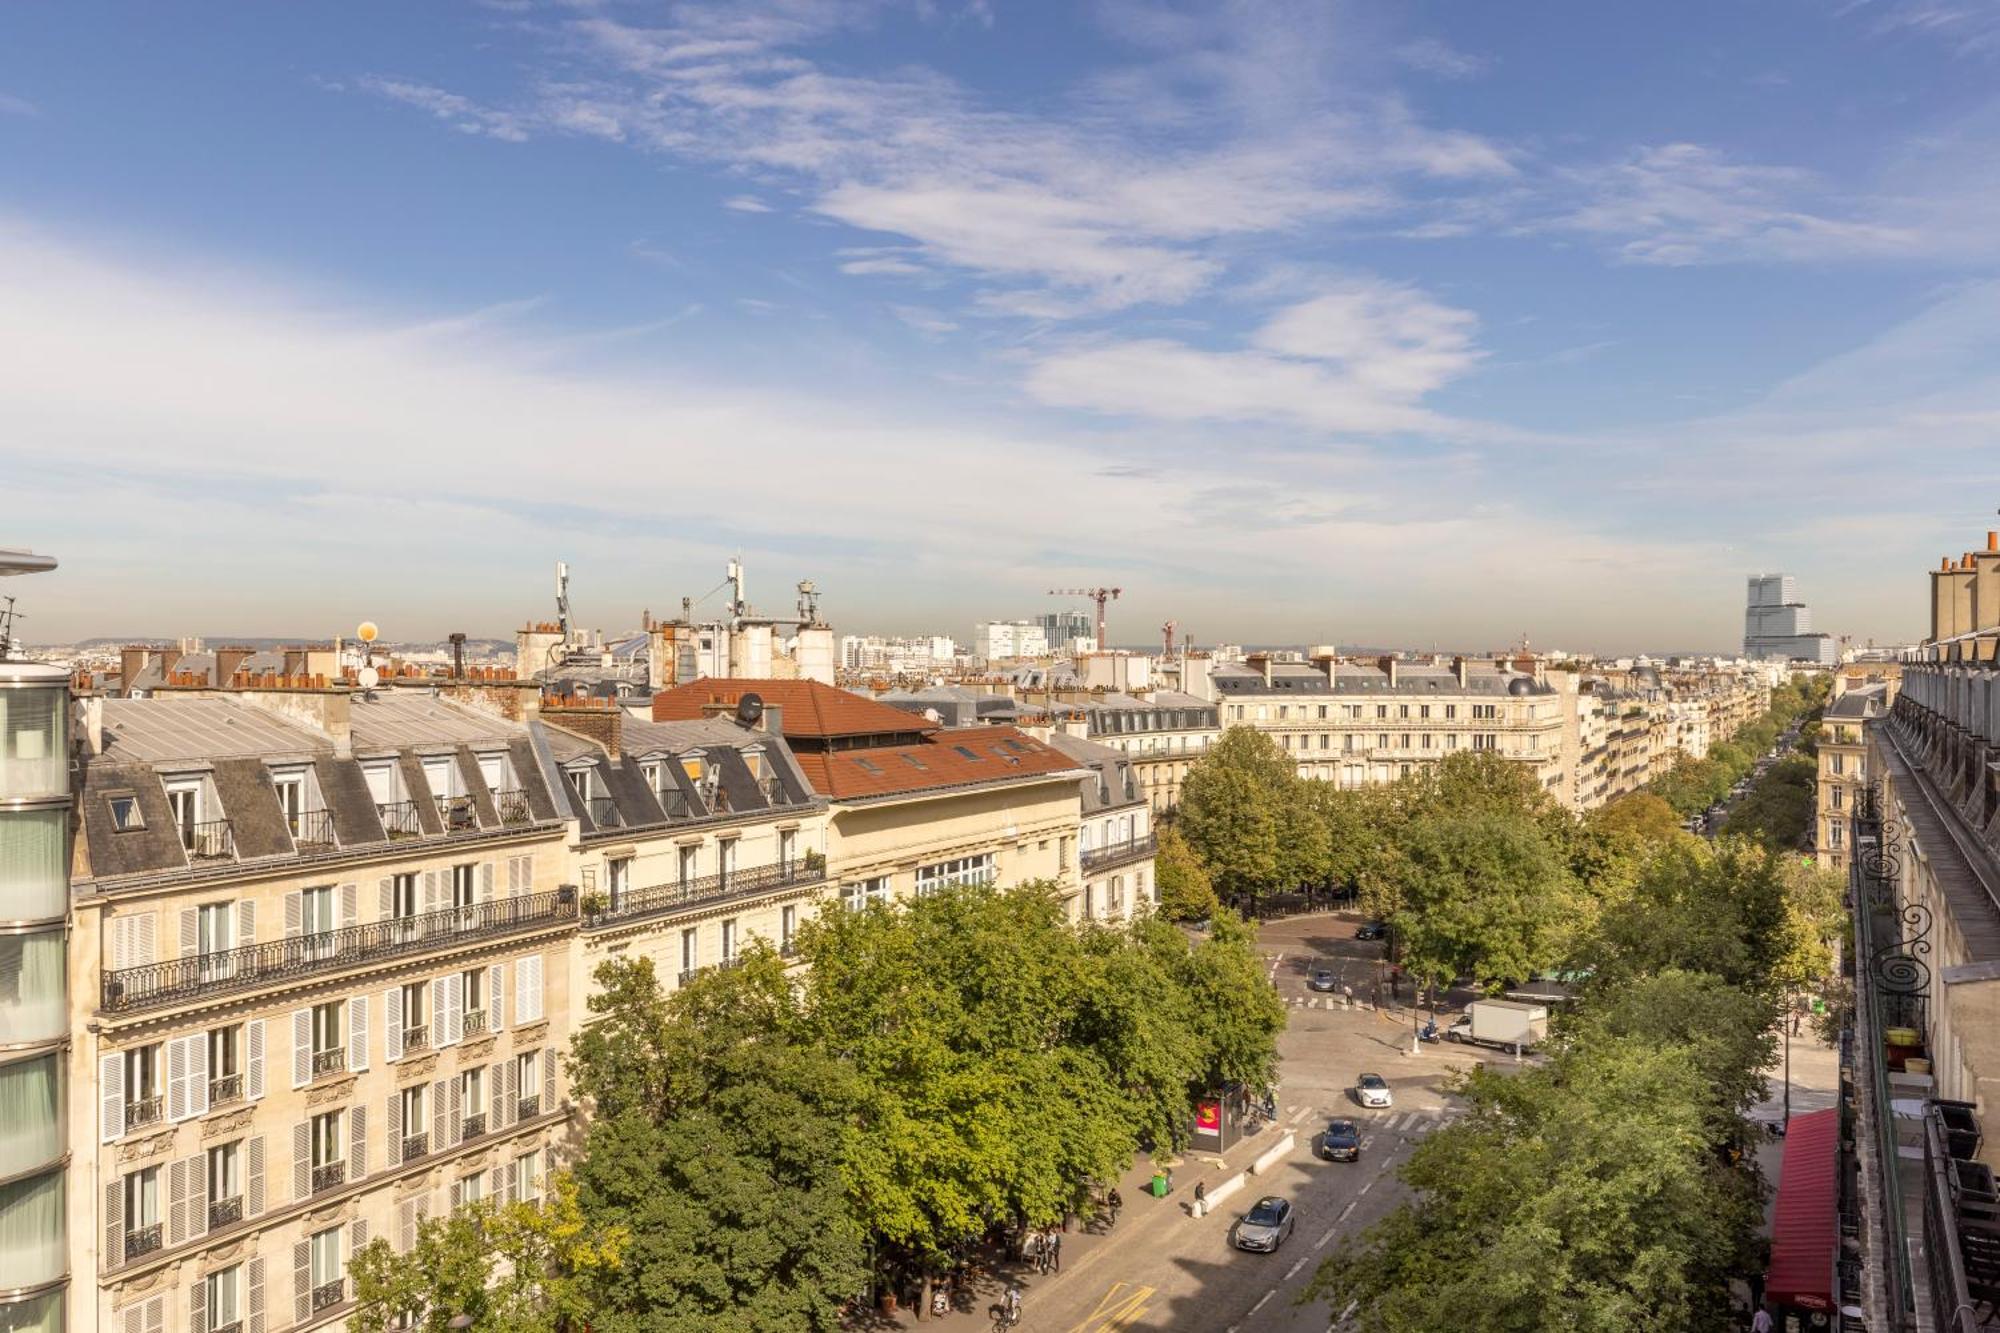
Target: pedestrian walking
1048, 1250
1761, 1321
1055, 1252
1798, 1017
1200, 1195
1031, 1247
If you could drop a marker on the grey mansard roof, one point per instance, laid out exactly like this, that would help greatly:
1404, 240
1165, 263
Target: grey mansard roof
1363, 679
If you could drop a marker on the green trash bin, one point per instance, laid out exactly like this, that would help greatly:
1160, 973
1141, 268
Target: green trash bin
1159, 1185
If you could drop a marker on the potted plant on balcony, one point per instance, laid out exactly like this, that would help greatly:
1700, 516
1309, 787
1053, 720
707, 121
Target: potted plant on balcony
815, 860
594, 904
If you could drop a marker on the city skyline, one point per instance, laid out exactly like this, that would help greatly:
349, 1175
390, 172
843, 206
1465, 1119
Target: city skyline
1299, 322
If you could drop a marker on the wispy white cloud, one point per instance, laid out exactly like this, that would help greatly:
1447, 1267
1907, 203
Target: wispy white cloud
1357, 359
924, 320
1969, 27
1432, 56
461, 113
745, 203
10, 105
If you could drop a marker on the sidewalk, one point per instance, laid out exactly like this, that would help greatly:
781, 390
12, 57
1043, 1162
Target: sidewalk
1088, 1239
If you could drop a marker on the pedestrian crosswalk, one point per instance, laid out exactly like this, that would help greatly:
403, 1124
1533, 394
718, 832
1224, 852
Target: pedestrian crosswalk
1407, 1124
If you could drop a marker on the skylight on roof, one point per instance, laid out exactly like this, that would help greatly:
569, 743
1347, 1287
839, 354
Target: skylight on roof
868, 766
965, 750
913, 761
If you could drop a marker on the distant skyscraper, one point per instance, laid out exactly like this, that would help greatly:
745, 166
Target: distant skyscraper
1777, 626
1060, 627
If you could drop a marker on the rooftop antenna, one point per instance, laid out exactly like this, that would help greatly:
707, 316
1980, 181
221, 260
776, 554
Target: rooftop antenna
562, 598
368, 677
738, 606
9, 617
808, 602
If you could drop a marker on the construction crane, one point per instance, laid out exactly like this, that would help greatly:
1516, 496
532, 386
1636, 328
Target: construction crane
1098, 595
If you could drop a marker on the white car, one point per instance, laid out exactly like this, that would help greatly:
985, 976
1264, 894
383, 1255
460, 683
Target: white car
1373, 1091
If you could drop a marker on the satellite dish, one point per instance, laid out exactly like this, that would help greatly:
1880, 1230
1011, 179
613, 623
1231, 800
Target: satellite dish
366, 631
369, 676
749, 709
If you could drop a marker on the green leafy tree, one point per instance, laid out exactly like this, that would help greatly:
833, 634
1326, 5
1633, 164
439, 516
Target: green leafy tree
509, 1268
1640, 820
1230, 819
1582, 1196
713, 1143
1481, 895
1778, 810
1723, 909
1185, 891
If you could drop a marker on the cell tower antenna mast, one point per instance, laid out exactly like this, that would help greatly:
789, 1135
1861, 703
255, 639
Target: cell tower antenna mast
1098, 595
562, 598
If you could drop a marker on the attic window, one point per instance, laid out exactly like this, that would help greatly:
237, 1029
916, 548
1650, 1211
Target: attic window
913, 761
868, 766
125, 816
965, 750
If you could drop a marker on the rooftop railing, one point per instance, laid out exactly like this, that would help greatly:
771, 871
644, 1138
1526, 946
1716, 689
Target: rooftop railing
313, 828
400, 819
210, 840
512, 806
283, 961
457, 813
660, 899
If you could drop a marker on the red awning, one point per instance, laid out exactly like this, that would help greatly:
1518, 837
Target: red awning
1805, 1228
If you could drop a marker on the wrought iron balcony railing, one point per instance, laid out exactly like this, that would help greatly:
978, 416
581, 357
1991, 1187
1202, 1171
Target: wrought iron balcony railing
142, 1111
474, 1023
457, 813
660, 899
400, 819
313, 828
329, 1294
330, 1176
415, 1146
225, 1212
224, 1089
471, 1127
142, 1240
210, 840
512, 805
329, 1062
688, 974
1118, 853
417, 1038
603, 812
528, 1108
284, 961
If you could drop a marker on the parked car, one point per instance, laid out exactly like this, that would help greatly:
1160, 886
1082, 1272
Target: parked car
1322, 980
1266, 1225
1373, 1091
1372, 930
1341, 1142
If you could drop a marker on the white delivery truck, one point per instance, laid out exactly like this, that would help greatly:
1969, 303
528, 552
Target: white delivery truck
1502, 1023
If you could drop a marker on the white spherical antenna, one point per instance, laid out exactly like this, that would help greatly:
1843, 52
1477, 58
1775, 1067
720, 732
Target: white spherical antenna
370, 678
366, 631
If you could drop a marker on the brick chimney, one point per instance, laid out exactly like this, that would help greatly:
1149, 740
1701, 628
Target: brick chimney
593, 719
1458, 669
1388, 665
132, 660
227, 662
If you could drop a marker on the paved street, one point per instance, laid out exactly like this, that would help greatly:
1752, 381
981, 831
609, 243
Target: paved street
1161, 1268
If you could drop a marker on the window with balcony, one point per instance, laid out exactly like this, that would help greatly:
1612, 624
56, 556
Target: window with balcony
690, 954
416, 1143
142, 1087
465, 885
215, 934
221, 1296
225, 1070
329, 1038
142, 1212
964, 870
329, 1150
729, 941
316, 919
225, 1185
328, 1278
618, 880
528, 1083
472, 1096
472, 985
416, 1017
690, 864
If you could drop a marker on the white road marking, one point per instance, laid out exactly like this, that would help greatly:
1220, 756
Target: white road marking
1262, 1301
1366, 1140
1369, 1186
1293, 1271
1320, 1244
1338, 1220
1300, 1114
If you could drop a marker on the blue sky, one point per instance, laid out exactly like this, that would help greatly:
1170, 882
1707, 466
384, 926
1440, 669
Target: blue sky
1375, 323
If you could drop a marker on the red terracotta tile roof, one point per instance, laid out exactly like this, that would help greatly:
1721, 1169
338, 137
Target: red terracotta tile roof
808, 708
959, 757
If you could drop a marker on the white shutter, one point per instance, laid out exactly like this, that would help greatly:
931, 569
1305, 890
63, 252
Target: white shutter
406, 1225
456, 1115
198, 1306
348, 909
302, 1041
301, 1162
548, 1080
498, 1093
440, 1117
453, 1015
357, 1143
388, 901
177, 1079
496, 991
392, 1031
431, 894
114, 1227
197, 1179
357, 1034
485, 881
190, 933
111, 1095
197, 1075
510, 1101
253, 1189
253, 1041
301, 1281
177, 1201
295, 915
357, 1236
246, 923
156, 1315
528, 989
256, 1302
395, 1135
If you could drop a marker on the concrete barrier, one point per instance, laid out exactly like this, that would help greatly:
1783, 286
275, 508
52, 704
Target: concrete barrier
1233, 1185
1276, 1153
